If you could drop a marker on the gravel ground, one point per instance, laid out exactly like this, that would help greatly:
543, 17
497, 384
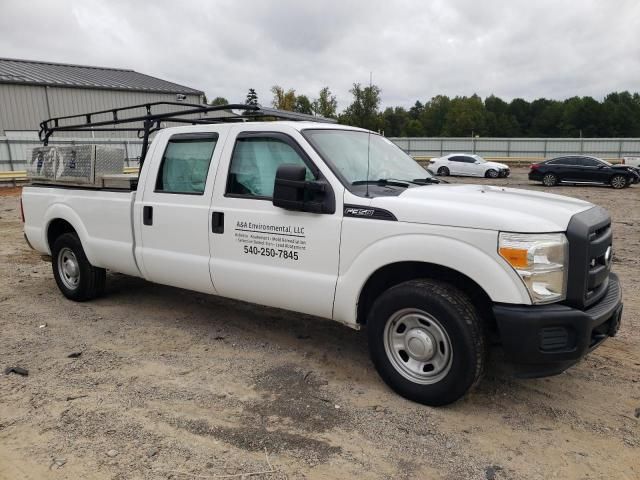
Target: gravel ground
175, 384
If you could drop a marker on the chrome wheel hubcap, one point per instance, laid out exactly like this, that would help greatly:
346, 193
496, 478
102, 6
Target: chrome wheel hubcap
68, 268
618, 182
549, 180
418, 346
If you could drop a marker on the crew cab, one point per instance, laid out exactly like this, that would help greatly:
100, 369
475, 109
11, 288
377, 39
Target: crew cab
337, 222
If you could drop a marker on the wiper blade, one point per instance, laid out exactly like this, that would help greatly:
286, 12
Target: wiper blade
427, 181
384, 182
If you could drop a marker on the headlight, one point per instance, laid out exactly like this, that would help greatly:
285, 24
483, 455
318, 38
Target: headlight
541, 260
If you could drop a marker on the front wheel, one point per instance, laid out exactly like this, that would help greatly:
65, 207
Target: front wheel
491, 173
618, 181
77, 279
443, 171
426, 341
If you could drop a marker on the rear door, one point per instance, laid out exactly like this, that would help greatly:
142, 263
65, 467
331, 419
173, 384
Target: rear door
456, 165
175, 209
265, 254
565, 168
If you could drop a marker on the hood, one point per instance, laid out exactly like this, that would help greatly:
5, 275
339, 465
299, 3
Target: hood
626, 167
485, 207
497, 165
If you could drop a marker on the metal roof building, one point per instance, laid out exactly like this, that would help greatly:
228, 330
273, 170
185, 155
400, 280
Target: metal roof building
32, 91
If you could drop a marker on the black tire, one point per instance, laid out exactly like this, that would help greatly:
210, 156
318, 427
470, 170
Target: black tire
443, 171
89, 282
454, 313
549, 180
491, 173
618, 181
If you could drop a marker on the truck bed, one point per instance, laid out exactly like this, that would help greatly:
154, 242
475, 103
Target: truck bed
101, 216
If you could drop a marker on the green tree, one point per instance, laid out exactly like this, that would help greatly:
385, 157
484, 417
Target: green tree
363, 112
252, 97
414, 128
434, 115
521, 111
326, 104
466, 117
303, 105
219, 101
394, 121
283, 100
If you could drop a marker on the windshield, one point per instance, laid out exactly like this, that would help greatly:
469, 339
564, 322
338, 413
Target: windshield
347, 150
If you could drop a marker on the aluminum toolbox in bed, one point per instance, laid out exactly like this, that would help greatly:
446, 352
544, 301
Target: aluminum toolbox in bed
75, 164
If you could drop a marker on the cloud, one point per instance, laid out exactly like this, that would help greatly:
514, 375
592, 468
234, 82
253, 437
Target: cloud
415, 49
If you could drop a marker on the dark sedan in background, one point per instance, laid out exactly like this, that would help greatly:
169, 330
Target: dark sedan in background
581, 169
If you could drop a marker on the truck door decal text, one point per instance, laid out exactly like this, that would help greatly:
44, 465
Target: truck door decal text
266, 240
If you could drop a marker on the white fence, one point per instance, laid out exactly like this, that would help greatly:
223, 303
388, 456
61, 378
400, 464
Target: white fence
609, 148
16, 148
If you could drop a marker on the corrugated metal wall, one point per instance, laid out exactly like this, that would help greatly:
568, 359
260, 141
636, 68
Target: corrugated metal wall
24, 107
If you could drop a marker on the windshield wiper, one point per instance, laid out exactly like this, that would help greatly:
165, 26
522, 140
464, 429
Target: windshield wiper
428, 181
384, 182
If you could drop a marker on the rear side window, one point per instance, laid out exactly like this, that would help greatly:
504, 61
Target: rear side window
456, 159
562, 161
254, 163
588, 162
185, 163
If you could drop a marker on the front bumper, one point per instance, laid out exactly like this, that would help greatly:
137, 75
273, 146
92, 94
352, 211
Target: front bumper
504, 172
542, 340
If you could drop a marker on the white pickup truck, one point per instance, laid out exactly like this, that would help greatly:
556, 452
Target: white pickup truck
337, 222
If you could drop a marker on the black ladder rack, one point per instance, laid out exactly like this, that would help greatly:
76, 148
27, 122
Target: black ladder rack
152, 122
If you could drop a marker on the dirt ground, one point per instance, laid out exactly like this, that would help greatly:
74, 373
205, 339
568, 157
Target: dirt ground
174, 384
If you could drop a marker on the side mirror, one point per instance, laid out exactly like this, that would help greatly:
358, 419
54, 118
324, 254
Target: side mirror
288, 191
292, 192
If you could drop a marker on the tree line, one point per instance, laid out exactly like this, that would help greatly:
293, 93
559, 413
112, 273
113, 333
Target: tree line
617, 115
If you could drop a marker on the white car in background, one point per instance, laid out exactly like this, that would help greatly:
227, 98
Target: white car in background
470, 165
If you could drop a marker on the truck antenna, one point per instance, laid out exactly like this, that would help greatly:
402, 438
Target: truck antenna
369, 137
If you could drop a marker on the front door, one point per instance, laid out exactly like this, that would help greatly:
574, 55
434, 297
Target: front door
262, 253
175, 210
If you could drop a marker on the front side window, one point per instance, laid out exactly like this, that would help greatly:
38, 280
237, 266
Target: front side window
254, 163
589, 162
185, 163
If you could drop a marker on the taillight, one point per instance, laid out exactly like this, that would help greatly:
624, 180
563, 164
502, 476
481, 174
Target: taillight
21, 210
534, 166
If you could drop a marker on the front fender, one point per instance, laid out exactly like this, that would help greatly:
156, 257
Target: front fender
499, 281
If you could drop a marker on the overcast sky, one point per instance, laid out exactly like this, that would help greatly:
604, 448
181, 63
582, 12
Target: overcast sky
416, 49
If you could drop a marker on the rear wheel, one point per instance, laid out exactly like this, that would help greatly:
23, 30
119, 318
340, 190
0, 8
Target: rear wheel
618, 181
77, 279
426, 341
491, 173
549, 180
444, 171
